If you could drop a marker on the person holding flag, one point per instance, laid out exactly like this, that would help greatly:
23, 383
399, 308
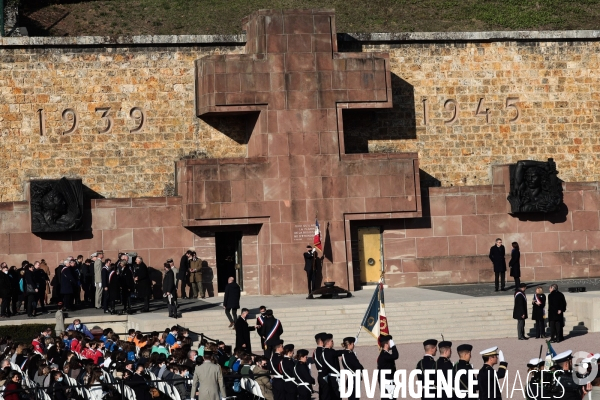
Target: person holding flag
312, 260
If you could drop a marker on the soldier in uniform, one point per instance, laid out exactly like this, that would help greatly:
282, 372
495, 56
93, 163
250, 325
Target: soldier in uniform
534, 372
444, 365
318, 360
286, 367
488, 377
350, 361
564, 386
427, 363
275, 359
463, 363
331, 366
304, 378
271, 332
387, 361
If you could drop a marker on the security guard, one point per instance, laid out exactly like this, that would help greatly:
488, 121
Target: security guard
318, 360
464, 355
564, 386
387, 361
427, 363
488, 377
350, 361
444, 365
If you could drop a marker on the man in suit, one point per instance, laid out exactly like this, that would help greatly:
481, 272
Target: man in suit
271, 332
520, 311
497, 253
557, 305
488, 378
231, 300
208, 379
184, 272
170, 290
309, 257
260, 320
242, 332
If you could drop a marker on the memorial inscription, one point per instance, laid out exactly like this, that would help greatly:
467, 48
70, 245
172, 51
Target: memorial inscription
69, 115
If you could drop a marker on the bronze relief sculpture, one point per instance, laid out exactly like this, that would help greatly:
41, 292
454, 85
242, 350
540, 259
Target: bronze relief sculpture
56, 205
535, 187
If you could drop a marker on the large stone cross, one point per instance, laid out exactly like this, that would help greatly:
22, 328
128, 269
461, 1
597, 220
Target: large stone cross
293, 76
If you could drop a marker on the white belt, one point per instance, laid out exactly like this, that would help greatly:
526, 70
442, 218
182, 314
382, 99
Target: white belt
289, 380
336, 375
303, 384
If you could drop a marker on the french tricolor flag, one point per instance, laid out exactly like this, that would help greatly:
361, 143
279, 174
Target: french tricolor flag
317, 240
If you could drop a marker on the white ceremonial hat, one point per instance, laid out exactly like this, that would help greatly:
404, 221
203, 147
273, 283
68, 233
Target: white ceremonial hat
535, 361
492, 351
596, 356
564, 356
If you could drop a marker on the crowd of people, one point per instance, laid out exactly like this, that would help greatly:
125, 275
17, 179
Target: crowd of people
100, 282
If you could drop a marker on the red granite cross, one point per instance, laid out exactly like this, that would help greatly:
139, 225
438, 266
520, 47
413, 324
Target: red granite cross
294, 77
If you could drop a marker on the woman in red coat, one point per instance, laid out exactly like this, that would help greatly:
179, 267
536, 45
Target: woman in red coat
13, 387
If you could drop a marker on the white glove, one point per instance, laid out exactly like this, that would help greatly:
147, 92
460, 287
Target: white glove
500, 356
392, 344
309, 366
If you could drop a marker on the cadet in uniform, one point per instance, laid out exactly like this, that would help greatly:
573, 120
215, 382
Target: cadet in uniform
350, 361
331, 366
427, 363
387, 360
464, 354
318, 359
286, 367
488, 377
534, 372
274, 363
564, 386
444, 365
304, 378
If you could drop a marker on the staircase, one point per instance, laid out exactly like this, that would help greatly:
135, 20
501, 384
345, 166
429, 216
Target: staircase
409, 322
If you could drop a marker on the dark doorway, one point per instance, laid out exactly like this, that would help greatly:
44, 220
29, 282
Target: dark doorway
229, 258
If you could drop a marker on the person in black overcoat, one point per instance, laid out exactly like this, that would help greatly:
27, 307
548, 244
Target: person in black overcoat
350, 361
520, 311
304, 378
105, 275
271, 332
557, 305
497, 253
184, 273
127, 286
231, 301
309, 268
6, 287
68, 282
538, 312
114, 287
515, 264
387, 361
242, 332
138, 384
170, 290
143, 283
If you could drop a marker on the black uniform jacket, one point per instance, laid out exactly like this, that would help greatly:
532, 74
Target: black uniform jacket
488, 386
271, 325
427, 363
445, 366
350, 361
387, 361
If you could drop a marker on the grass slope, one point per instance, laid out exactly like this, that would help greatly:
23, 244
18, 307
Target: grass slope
135, 17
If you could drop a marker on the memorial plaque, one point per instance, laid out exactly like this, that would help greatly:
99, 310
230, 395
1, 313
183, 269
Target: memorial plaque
304, 232
56, 205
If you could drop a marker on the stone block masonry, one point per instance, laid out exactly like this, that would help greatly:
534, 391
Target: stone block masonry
463, 101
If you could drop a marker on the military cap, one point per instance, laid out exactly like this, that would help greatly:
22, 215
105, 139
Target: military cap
562, 357
430, 342
349, 339
464, 347
99, 251
94, 255
534, 362
492, 351
269, 313
444, 343
383, 339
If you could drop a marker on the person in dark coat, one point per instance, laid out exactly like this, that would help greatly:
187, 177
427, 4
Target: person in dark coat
350, 361
68, 282
231, 301
6, 288
488, 378
387, 361
30, 291
538, 311
105, 277
143, 283
557, 305
114, 287
170, 290
444, 365
87, 281
184, 273
497, 253
55, 283
515, 264
138, 384
520, 311
309, 268
127, 286
40, 277
271, 332
427, 363
242, 332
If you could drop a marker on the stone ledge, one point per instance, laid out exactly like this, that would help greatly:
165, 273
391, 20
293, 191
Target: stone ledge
187, 40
